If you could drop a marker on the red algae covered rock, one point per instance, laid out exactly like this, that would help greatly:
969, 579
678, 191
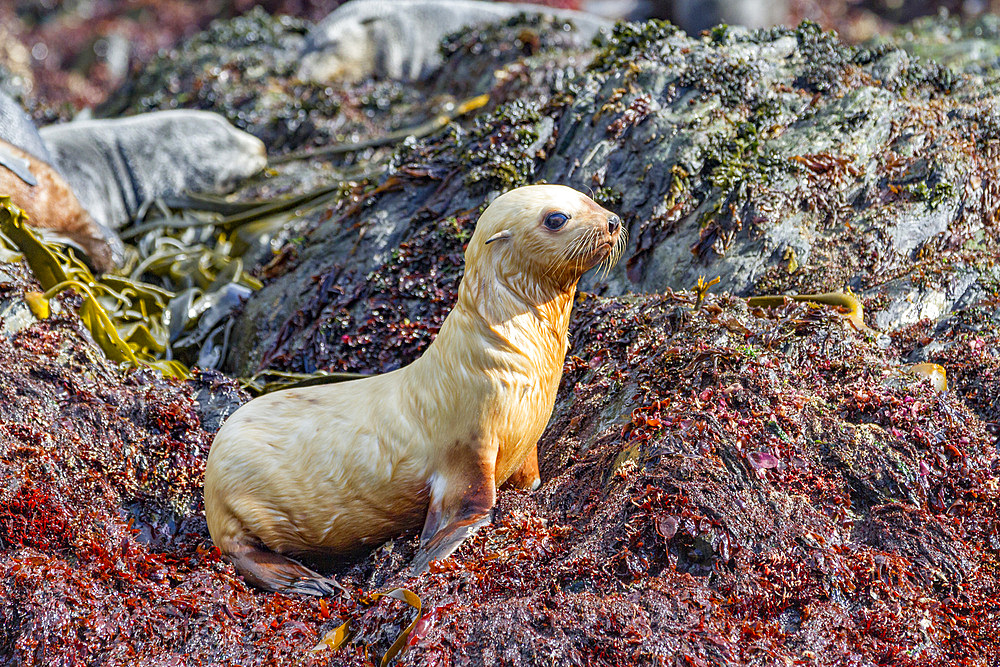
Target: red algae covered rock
104, 554
728, 486
722, 485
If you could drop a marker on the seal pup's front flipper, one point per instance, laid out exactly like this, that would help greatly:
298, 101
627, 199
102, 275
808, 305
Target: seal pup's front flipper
527, 476
273, 572
458, 507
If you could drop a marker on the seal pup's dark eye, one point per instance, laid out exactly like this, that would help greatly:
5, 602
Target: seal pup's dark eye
555, 220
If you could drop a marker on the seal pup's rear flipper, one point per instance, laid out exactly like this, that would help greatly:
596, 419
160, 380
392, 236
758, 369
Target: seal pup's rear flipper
271, 571
457, 509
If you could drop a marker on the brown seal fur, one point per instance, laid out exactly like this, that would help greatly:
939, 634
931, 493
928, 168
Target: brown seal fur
51, 206
322, 471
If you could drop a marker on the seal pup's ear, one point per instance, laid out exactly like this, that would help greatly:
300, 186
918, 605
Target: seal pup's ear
499, 236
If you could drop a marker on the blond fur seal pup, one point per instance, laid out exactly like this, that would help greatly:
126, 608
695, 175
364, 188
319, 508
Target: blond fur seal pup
324, 471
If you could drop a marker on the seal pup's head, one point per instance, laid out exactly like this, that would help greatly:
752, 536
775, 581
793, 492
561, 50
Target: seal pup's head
544, 237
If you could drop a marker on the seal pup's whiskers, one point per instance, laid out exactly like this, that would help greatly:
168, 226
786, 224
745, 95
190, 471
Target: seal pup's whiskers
616, 253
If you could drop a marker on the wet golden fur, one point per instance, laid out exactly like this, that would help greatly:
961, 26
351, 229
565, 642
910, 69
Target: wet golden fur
322, 471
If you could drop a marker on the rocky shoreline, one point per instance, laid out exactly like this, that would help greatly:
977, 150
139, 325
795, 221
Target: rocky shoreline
722, 483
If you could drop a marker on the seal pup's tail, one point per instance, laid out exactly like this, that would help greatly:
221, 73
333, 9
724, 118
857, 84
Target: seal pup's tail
271, 571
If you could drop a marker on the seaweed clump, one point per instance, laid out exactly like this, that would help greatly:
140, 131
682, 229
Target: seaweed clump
498, 150
473, 57
628, 41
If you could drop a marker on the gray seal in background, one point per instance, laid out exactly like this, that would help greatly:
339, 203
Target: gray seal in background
17, 128
398, 39
697, 15
52, 208
116, 166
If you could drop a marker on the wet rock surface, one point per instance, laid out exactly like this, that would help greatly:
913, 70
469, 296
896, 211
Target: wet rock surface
781, 161
722, 484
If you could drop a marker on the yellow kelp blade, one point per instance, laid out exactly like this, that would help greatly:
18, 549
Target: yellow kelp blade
138, 336
335, 638
341, 634
934, 373
41, 260
38, 305
96, 319
855, 310
153, 299
170, 368
410, 598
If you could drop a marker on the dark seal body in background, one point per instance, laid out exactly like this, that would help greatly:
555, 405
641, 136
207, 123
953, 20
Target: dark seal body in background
398, 39
116, 166
34, 185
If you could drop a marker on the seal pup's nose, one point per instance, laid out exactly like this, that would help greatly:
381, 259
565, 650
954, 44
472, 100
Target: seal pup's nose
614, 222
